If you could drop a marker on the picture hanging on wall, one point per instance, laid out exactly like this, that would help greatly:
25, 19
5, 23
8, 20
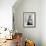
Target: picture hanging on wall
29, 19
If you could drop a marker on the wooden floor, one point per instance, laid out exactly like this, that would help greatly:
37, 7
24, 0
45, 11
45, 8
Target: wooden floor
9, 43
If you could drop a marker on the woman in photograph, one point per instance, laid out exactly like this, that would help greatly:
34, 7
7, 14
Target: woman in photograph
29, 22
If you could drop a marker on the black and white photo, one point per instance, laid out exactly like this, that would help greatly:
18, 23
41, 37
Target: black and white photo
29, 19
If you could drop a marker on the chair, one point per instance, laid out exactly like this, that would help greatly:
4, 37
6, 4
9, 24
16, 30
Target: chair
18, 39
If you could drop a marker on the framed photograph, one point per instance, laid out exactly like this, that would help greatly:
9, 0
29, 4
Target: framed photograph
29, 19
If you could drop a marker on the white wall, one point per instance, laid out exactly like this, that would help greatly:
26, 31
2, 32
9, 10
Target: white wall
29, 6
6, 13
43, 22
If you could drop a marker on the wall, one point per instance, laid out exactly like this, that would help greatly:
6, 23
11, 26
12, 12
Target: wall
6, 13
28, 6
43, 22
